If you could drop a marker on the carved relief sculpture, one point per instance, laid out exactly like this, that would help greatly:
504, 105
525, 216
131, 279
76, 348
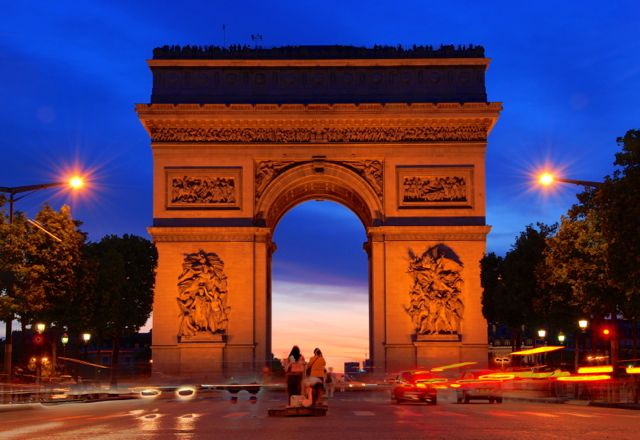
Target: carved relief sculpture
468, 132
202, 296
267, 171
371, 170
434, 189
435, 186
205, 190
435, 306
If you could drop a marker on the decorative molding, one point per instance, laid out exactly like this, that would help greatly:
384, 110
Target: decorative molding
202, 298
464, 132
453, 110
208, 188
267, 170
370, 170
435, 186
435, 306
428, 233
209, 234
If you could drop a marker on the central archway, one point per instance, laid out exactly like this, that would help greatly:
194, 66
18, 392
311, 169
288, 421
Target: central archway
318, 180
320, 291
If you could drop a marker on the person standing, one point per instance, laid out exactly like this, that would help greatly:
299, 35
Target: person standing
316, 371
329, 383
294, 370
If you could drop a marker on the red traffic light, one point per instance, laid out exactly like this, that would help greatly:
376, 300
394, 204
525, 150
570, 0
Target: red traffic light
605, 332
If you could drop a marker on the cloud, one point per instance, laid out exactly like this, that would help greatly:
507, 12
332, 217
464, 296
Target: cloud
333, 318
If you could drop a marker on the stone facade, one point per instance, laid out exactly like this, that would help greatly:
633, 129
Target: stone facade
229, 162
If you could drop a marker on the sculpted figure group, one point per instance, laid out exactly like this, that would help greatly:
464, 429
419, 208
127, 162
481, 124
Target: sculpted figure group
434, 189
202, 298
435, 305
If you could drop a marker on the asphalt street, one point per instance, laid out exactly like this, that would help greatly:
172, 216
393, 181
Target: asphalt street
351, 415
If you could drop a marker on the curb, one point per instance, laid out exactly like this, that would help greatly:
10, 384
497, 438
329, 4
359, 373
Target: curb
5, 407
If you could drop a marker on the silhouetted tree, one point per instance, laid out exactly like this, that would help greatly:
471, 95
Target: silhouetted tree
120, 295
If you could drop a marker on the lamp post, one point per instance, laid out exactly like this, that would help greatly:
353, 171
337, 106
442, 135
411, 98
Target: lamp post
65, 340
542, 333
14, 195
582, 324
40, 327
86, 337
547, 179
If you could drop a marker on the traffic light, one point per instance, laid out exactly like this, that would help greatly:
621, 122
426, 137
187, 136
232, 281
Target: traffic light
605, 331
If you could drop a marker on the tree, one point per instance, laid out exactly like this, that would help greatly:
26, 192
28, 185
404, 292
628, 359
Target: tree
511, 291
120, 294
39, 272
618, 201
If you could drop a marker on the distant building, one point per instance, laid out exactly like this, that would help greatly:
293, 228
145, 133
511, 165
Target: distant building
351, 367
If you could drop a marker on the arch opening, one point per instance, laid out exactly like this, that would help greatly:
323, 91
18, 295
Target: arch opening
320, 283
328, 181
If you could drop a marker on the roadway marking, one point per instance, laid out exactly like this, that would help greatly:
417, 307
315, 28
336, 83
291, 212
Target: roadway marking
364, 413
235, 415
24, 431
577, 414
501, 414
447, 413
108, 416
539, 414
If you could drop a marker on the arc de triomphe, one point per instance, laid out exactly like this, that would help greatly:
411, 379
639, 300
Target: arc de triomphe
241, 136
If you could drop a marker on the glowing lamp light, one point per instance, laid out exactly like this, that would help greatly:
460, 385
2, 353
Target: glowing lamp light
583, 324
585, 378
451, 366
76, 182
561, 338
185, 392
40, 327
538, 350
542, 333
64, 339
150, 393
546, 179
86, 337
596, 369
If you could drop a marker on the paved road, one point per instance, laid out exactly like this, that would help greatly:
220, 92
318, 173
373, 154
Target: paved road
352, 416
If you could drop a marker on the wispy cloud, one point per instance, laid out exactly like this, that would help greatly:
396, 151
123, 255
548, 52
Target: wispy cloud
333, 318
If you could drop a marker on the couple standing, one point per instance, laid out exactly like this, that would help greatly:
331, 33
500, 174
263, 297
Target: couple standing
296, 369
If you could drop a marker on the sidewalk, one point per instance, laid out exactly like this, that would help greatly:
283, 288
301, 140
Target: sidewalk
537, 397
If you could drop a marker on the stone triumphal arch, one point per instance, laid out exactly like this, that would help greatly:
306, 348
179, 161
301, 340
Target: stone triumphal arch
241, 136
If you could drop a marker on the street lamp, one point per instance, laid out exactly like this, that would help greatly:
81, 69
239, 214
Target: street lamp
548, 179
65, 340
582, 324
40, 327
75, 182
86, 337
561, 338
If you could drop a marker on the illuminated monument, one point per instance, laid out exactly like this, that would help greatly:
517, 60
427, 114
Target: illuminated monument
240, 136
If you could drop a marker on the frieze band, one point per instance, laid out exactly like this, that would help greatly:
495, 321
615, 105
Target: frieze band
472, 132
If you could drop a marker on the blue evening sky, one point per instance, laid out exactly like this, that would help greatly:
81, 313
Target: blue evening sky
567, 73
